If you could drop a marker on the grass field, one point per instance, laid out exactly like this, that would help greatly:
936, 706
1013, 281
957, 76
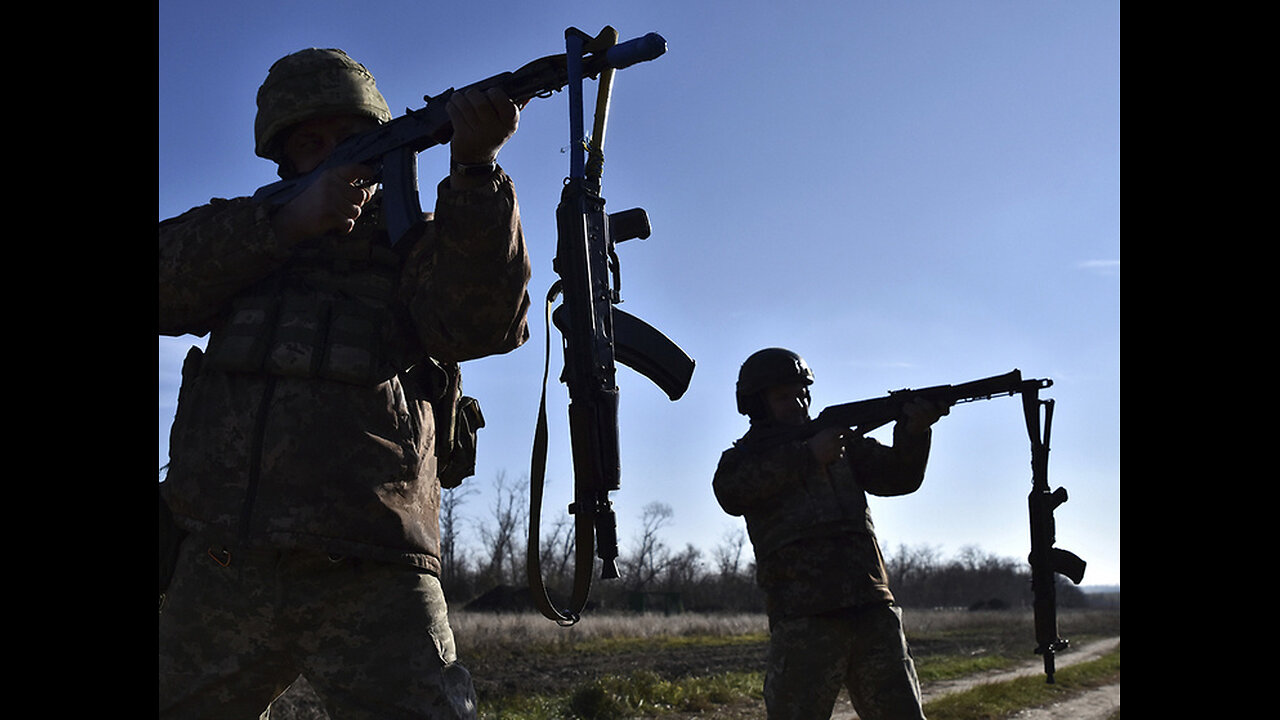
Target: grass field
609, 667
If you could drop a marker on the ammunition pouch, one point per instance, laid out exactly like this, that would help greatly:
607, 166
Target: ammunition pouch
461, 461
458, 420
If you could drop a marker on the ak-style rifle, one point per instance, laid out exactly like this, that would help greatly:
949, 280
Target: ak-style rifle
391, 149
1047, 561
595, 335
863, 416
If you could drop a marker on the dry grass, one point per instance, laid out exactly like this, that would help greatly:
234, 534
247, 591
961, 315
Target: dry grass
477, 631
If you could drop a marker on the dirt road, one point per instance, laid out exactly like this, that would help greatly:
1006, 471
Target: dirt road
1094, 705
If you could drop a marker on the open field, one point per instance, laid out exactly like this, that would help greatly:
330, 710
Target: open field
528, 668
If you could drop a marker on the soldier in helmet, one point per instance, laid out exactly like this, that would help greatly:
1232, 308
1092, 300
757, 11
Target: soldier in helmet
832, 620
308, 444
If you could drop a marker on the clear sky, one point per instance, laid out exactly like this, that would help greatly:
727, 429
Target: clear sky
906, 193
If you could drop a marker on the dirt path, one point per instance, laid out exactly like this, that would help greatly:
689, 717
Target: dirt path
1094, 705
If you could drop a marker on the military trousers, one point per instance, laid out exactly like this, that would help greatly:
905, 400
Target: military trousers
237, 627
862, 649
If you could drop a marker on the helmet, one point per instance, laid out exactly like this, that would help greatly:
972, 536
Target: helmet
310, 83
764, 369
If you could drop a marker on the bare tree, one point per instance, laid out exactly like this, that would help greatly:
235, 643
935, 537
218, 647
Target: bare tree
683, 570
503, 538
728, 554
453, 562
651, 556
912, 565
558, 551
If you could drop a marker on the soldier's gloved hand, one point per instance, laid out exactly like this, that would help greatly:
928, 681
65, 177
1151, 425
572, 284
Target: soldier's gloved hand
919, 414
827, 446
483, 121
330, 204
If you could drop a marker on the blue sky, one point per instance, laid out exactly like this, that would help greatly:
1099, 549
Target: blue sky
906, 193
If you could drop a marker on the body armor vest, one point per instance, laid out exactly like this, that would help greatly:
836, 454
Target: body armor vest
329, 313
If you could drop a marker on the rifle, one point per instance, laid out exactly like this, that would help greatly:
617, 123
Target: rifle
1046, 560
595, 335
392, 149
863, 416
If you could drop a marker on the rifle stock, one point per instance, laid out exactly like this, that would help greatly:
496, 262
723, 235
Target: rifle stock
391, 149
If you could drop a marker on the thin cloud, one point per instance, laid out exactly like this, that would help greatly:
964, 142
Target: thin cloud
1101, 267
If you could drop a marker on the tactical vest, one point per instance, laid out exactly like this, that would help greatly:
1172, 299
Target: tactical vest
823, 506
329, 313
332, 313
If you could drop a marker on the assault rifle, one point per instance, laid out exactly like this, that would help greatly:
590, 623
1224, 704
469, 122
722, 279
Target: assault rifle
1047, 561
863, 416
595, 334
392, 149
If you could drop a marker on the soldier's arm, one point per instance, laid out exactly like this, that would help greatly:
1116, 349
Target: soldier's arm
208, 255
466, 281
748, 479
891, 470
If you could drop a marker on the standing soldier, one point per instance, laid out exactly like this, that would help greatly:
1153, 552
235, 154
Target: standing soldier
832, 621
303, 455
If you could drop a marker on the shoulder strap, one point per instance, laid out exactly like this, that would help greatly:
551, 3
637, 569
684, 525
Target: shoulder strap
584, 540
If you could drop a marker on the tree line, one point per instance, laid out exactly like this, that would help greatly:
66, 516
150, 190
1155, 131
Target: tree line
479, 554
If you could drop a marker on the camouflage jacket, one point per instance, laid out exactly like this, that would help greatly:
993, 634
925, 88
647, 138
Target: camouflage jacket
307, 422
810, 526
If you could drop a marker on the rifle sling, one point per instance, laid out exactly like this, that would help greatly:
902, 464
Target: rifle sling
584, 546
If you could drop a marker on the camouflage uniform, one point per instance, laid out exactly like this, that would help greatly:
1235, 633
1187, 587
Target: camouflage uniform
372, 639
302, 454
831, 617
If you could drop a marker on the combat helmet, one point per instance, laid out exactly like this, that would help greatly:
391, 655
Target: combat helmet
310, 83
764, 369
